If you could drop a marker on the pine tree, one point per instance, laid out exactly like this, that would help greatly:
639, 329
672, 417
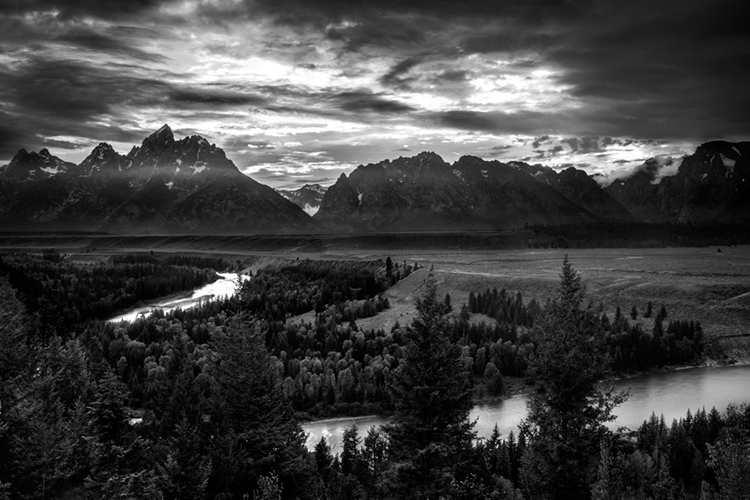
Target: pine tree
256, 434
430, 433
566, 415
323, 457
373, 459
349, 453
649, 310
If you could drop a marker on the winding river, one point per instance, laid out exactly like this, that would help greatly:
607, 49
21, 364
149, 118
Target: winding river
668, 393
226, 285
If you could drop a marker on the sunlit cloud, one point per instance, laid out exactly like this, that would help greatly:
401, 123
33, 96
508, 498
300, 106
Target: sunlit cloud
291, 88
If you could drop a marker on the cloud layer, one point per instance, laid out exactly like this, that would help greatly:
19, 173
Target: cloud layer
306, 89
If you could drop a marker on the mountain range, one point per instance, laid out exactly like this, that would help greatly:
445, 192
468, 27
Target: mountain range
163, 185
309, 197
167, 185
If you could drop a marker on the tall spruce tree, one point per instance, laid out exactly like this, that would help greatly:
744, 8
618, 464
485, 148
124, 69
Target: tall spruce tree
254, 430
430, 434
566, 415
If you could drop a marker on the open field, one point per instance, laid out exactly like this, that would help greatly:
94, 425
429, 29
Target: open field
693, 283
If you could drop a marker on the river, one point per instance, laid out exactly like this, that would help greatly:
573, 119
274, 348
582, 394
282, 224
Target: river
668, 393
224, 286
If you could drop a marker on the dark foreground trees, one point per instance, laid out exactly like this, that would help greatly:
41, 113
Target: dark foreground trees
566, 416
215, 419
254, 431
430, 436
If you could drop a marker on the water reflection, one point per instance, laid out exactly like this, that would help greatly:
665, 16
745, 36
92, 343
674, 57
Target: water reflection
670, 394
223, 287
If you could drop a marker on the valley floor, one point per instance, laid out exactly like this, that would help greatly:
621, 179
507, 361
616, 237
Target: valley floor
705, 284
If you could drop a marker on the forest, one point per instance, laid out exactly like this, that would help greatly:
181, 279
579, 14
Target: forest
206, 402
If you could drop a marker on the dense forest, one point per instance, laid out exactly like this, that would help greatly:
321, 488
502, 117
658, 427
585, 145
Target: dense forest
204, 402
65, 295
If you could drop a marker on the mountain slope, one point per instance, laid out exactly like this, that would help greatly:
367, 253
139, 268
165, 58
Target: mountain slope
426, 193
163, 185
711, 184
580, 188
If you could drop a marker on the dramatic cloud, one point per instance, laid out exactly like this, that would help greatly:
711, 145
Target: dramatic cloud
294, 88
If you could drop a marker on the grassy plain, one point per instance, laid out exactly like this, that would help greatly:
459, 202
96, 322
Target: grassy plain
693, 283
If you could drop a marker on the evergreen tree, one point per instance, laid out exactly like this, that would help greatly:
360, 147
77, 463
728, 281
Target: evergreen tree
649, 310
566, 416
373, 460
256, 432
493, 379
430, 434
349, 453
323, 458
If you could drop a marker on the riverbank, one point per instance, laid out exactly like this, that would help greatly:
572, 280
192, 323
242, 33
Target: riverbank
224, 285
669, 393
513, 387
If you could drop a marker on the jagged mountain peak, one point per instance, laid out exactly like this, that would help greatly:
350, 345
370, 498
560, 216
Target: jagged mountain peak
103, 158
21, 155
314, 187
164, 131
735, 150
424, 159
28, 166
162, 138
103, 146
712, 183
164, 185
469, 160
308, 197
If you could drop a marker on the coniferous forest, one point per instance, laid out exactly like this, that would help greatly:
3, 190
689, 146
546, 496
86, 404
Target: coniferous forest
206, 402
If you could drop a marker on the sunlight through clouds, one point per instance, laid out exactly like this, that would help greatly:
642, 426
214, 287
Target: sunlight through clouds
355, 82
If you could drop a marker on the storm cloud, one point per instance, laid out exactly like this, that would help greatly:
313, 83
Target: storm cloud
566, 81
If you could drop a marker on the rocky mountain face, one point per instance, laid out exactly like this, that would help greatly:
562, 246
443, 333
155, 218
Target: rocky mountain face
163, 185
426, 193
28, 167
711, 184
580, 188
188, 185
308, 197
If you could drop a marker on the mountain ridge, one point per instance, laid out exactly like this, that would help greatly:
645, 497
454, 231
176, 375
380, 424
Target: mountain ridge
189, 185
163, 185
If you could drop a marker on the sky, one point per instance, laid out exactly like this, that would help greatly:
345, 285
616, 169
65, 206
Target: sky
299, 91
